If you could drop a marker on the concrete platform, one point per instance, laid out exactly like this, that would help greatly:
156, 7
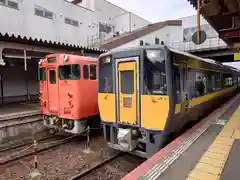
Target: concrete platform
19, 120
18, 110
208, 151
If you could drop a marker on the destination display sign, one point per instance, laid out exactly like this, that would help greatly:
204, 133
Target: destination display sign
230, 34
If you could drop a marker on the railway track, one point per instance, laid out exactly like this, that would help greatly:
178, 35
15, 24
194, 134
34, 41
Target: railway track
19, 145
30, 151
114, 163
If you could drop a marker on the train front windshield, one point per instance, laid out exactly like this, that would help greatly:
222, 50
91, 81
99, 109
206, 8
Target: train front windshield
69, 72
155, 72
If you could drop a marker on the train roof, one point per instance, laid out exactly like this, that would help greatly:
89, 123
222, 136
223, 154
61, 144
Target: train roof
89, 58
207, 60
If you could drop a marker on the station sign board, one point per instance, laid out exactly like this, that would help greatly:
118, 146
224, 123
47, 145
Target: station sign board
237, 56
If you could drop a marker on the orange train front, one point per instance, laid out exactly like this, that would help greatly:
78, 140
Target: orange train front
148, 95
68, 92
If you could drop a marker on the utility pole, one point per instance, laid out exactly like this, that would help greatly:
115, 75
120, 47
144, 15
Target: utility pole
198, 20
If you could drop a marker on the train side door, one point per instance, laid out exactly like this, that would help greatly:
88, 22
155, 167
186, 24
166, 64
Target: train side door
127, 92
184, 87
52, 90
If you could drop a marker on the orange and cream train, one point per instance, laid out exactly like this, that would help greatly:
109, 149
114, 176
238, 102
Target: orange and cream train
68, 92
148, 95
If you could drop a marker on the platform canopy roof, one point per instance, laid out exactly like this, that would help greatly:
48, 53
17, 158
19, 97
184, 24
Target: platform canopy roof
224, 16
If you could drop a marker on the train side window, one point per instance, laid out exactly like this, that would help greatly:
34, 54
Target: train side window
93, 72
85, 72
200, 83
227, 80
218, 81
52, 76
42, 74
211, 85
176, 80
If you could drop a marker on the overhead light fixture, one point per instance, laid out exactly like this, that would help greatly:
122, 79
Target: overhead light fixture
16, 57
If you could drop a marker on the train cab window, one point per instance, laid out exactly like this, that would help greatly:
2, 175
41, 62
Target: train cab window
127, 82
69, 72
42, 74
93, 72
85, 72
155, 73
159, 83
76, 71
105, 78
52, 76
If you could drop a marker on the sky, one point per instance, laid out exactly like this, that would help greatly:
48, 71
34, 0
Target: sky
157, 10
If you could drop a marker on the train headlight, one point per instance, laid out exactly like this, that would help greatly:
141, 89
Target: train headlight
155, 55
65, 58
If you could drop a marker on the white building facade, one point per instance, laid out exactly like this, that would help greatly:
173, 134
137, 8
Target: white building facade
64, 22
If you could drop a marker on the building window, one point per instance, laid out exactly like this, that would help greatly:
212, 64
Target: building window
85, 72
71, 22
93, 72
43, 13
3, 2
157, 40
10, 4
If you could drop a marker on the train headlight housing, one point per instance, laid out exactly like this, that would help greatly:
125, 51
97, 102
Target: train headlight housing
65, 58
105, 60
155, 55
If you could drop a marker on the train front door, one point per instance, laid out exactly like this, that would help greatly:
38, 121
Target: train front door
184, 87
127, 92
52, 90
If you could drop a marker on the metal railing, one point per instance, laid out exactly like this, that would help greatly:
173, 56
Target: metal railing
92, 40
209, 44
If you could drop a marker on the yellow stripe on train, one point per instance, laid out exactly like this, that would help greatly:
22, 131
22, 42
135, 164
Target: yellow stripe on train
202, 99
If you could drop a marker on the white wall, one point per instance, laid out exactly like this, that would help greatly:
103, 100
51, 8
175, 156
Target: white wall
167, 33
24, 22
107, 12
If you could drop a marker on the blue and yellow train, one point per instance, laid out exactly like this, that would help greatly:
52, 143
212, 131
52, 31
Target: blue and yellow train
149, 94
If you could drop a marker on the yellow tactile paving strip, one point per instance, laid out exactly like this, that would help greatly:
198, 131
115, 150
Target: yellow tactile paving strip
211, 164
